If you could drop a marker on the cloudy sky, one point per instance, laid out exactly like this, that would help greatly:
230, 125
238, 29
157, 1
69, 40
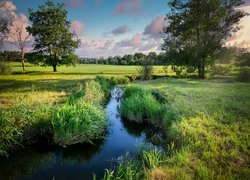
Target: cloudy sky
117, 27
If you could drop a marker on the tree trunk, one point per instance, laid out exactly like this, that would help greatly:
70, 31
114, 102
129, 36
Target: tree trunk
22, 59
54, 67
201, 70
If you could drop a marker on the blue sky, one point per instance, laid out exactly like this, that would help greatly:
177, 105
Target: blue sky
117, 27
111, 27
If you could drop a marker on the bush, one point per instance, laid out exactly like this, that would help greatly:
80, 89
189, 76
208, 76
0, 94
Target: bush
77, 123
244, 75
146, 70
220, 69
4, 68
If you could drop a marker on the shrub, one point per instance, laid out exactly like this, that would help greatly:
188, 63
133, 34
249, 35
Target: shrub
4, 68
77, 123
146, 69
220, 69
244, 75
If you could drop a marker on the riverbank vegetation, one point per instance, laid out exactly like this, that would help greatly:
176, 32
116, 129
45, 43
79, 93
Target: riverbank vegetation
209, 132
72, 117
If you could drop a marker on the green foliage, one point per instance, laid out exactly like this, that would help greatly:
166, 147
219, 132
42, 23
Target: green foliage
189, 39
153, 158
127, 169
54, 44
10, 133
77, 123
119, 80
220, 69
136, 168
146, 69
244, 74
20, 123
140, 105
10, 56
4, 67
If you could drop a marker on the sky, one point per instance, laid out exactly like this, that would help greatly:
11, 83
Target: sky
117, 27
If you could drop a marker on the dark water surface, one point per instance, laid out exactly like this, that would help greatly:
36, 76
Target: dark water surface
81, 161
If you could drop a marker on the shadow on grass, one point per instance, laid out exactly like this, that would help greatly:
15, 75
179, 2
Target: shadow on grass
39, 85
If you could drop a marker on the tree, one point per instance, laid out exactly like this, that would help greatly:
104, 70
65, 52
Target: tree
197, 30
54, 44
146, 69
20, 39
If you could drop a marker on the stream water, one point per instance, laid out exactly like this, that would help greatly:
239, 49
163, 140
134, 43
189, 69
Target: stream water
81, 161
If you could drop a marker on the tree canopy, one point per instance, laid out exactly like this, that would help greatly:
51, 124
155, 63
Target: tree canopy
54, 43
197, 30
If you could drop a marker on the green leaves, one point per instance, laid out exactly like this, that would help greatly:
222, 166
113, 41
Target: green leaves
50, 28
197, 30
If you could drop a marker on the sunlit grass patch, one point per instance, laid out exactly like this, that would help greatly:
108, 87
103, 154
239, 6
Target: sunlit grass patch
77, 123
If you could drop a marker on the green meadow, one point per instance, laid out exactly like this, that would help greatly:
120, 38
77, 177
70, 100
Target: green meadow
205, 122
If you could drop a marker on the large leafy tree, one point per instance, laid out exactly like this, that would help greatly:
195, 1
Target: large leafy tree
197, 30
54, 43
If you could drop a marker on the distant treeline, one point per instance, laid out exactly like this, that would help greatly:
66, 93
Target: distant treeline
11, 56
239, 57
136, 59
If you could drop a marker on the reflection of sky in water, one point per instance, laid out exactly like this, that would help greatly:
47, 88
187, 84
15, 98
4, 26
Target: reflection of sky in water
82, 160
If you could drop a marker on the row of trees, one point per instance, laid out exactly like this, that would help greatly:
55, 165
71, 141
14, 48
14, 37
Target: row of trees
135, 59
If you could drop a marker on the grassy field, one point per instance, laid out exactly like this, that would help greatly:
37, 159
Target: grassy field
209, 128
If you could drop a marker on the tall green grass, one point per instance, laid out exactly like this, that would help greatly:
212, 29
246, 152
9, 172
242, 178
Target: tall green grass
140, 105
76, 123
129, 168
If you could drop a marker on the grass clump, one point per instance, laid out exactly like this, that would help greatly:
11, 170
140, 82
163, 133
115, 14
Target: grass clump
77, 123
141, 105
9, 134
21, 123
138, 167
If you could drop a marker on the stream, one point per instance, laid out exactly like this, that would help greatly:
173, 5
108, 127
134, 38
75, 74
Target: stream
81, 161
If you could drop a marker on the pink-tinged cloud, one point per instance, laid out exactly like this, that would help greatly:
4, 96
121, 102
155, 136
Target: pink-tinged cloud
19, 24
121, 30
77, 27
8, 10
241, 38
128, 7
154, 29
134, 42
74, 3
